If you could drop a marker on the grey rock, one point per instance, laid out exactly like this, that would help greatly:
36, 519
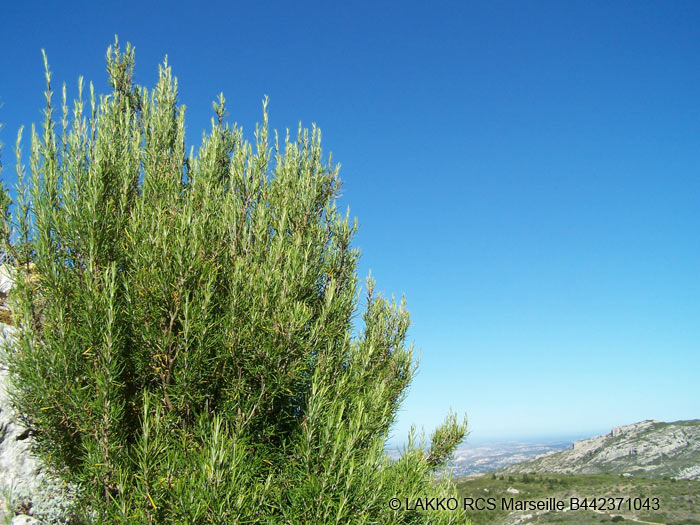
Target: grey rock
651, 448
23, 519
26, 485
5, 279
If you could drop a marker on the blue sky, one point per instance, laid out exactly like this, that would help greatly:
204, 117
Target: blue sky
525, 172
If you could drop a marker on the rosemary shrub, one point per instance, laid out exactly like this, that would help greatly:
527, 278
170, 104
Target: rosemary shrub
184, 348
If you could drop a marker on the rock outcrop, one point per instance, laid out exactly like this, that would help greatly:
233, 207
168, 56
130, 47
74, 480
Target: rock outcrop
29, 494
650, 448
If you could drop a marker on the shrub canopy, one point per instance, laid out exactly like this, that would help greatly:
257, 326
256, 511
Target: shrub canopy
184, 347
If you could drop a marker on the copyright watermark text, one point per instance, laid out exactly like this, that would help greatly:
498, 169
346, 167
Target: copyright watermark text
512, 504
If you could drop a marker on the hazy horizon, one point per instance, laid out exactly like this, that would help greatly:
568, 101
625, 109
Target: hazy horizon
480, 439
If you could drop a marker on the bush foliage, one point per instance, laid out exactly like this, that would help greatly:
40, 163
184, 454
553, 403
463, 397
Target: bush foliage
185, 347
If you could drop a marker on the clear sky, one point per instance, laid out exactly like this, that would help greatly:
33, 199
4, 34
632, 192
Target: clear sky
527, 173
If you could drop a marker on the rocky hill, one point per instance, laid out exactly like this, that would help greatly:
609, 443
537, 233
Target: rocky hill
650, 448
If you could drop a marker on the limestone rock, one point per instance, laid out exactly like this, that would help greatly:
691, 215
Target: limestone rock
651, 448
23, 519
26, 487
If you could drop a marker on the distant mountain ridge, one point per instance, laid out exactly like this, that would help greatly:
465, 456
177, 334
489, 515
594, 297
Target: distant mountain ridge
650, 448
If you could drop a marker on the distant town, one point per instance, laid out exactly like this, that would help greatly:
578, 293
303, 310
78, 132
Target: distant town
478, 458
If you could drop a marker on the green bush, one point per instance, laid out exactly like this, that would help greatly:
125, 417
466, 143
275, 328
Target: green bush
184, 348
